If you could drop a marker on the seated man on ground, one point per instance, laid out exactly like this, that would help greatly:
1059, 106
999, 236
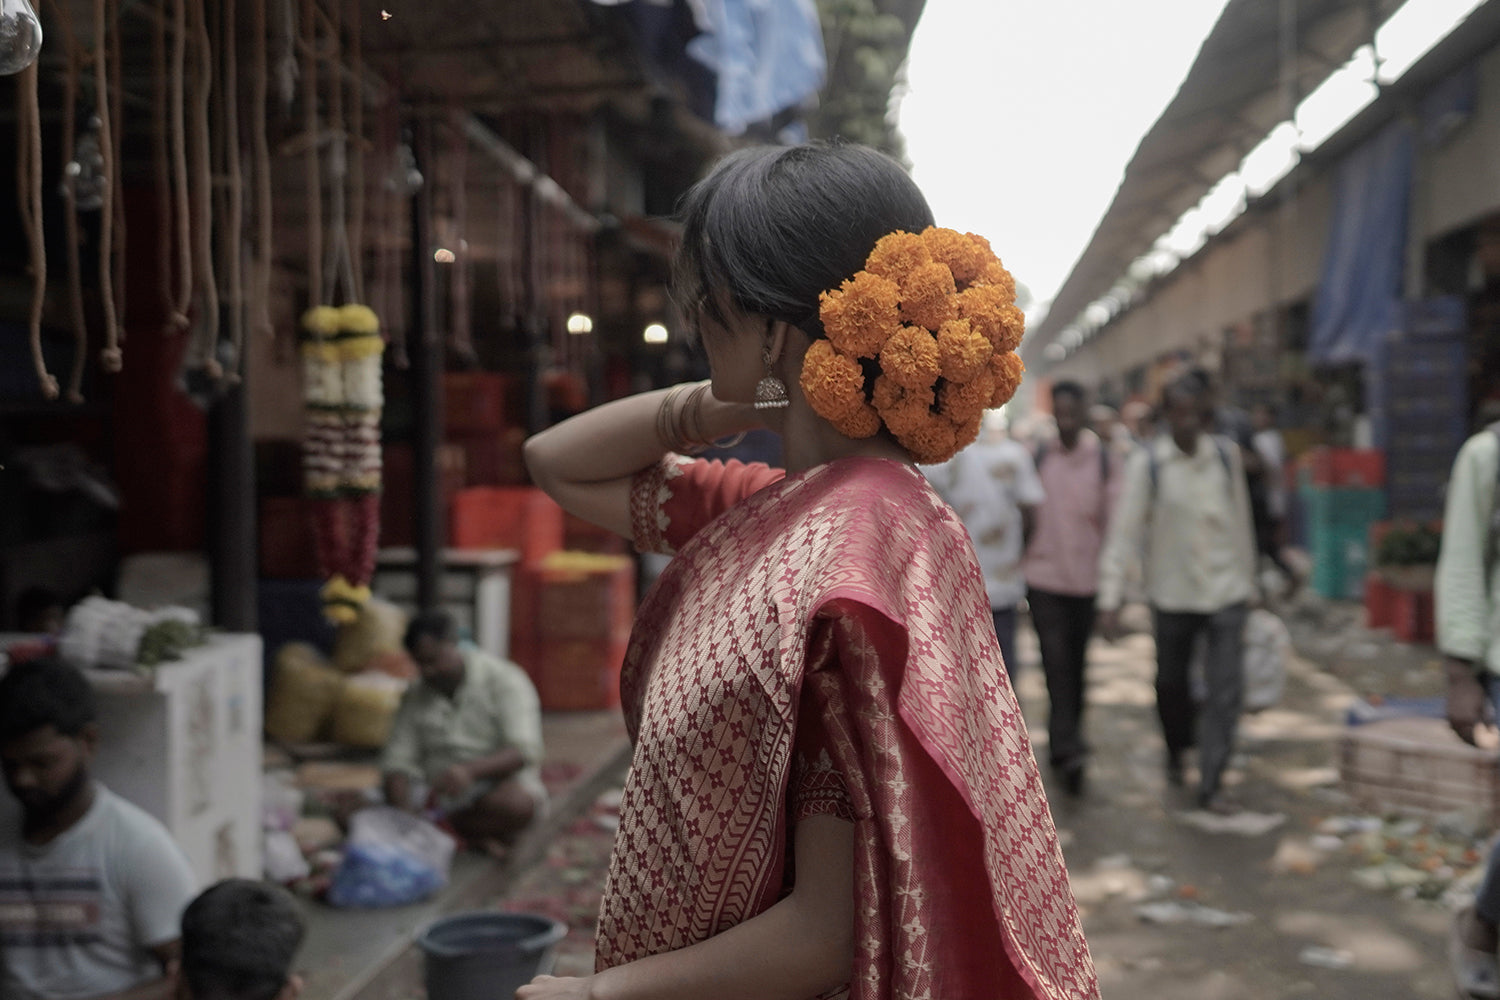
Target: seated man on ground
471, 731
238, 941
91, 887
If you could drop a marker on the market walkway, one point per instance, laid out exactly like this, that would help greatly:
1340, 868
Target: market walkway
1278, 914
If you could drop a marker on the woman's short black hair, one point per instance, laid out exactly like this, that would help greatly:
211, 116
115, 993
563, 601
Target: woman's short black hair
437, 625
1069, 388
44, 692
238, 941
771, 227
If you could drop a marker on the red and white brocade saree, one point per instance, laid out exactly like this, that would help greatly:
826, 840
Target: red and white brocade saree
823, 643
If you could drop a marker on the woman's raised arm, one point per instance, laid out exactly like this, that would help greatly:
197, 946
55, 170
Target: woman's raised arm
586, 462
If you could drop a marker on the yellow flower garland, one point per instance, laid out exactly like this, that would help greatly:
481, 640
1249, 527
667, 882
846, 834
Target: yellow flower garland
937, 309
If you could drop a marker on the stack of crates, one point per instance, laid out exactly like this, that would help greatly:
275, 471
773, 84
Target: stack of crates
571, 620
1342, 496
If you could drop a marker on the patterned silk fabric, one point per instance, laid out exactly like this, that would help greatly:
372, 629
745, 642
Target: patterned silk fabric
850, 588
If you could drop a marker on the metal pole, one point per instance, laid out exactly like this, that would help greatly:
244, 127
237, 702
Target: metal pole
430, 519
232, 544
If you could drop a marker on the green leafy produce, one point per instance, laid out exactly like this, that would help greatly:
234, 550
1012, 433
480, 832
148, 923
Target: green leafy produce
167, 640
1409, 545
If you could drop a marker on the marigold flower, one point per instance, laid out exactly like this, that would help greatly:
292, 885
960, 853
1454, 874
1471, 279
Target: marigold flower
911, 358
861, 314
927, 296
859, 422
897, 254
967, 433
833, 383
1013, 325
965, 258
995, 274
898, 405
324, 321
963, 351
1007, 369
930, 442
985, 307
963, 402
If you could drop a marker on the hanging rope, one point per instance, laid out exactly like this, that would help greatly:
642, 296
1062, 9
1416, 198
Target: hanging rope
202, 177
260, 84
110, 357
29, 199
70, 220
160, 159
392, 228
337, 266
314, 173
357, 152
183, 300
117, 173
231, 105
460, 337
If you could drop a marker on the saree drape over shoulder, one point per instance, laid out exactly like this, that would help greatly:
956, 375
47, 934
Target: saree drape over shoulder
823, 643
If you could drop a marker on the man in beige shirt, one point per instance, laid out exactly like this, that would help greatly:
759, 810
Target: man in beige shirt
1185, 510
472, 732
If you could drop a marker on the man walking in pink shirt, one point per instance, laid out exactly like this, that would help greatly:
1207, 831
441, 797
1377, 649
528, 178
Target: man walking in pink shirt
1062, 569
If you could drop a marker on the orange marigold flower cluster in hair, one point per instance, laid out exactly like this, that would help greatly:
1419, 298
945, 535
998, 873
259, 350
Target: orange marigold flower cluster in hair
959, 251
911, 358
963, 351
1007, 369
936, 311
834, 385
898, 254
927, 296
861, 314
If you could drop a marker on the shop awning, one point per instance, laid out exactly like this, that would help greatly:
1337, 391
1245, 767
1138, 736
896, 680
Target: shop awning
1230, 101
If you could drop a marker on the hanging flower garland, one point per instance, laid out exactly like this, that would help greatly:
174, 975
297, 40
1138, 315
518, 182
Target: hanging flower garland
921, 341
341, 384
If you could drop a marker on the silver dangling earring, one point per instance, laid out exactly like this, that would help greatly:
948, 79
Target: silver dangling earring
770, 392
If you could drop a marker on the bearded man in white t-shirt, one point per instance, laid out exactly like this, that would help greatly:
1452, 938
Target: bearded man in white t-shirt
92, 888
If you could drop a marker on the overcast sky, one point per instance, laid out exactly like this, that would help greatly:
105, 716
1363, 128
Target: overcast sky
1022, 116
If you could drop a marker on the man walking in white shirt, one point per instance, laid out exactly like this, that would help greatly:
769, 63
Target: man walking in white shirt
1185, 508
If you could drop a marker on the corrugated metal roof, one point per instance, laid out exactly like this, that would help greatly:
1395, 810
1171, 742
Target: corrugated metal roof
1231, 99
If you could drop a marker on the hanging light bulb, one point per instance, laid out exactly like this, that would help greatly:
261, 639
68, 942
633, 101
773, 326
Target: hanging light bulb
20, 36
83, 176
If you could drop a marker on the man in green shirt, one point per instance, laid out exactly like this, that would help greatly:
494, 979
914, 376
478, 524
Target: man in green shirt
1468, 627
471, 731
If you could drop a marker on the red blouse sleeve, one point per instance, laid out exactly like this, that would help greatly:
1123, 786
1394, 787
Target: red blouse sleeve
672, 499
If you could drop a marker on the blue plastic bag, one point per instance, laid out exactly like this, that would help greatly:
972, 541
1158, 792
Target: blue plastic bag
391, 859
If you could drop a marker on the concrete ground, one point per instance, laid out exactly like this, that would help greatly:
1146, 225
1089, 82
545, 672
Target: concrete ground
351, 953
1297, 909
1296, 921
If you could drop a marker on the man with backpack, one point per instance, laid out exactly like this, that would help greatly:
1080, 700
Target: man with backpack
1078, 475
1468, 633
1185, 512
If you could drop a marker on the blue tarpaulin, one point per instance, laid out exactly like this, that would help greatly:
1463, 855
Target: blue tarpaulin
1358, 300
767, 54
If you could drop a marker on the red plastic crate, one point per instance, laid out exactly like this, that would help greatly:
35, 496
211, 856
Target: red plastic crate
1412, 615
398, 494
1380, 602
585, 536
506, 517
548, 604
473, 402
287, 548
573, 674
1346, 467
493, 458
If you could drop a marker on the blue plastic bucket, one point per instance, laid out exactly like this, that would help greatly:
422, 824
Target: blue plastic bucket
487, 955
